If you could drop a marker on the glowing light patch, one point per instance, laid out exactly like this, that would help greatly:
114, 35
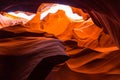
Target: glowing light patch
53, 9
22, 15
66, 8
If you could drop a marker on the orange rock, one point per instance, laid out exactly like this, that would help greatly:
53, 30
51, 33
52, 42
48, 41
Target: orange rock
56, 23
34, 24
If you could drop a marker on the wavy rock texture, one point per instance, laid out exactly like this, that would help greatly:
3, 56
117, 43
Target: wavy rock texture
94, 55
98, 57
89, 65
